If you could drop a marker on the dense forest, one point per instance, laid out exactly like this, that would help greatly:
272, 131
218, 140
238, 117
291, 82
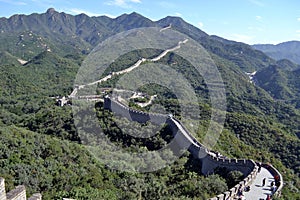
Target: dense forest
41, 148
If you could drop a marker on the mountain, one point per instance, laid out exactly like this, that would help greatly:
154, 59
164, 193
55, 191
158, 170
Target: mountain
40, 55
80, 33
286, 50
282, 84
67, 32
6, 57
281, 80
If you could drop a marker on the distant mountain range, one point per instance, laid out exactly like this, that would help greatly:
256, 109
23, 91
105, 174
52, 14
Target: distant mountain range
23, 37
286, 50
282, 80
64, 33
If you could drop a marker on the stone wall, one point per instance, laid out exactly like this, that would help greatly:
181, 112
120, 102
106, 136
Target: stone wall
209, 160
275, 173
210, 163
231, 193
36, 196
183, 138
131, 114
19, 193
2, 189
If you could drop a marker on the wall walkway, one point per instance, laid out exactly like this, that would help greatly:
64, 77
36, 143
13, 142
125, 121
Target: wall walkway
19, 193
209, 160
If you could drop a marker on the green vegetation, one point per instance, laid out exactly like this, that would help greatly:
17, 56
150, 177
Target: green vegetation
40, 146
59, 168
282, 84
286, 50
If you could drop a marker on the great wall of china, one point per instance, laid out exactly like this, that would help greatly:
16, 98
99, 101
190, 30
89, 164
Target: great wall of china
209, 160
19, 193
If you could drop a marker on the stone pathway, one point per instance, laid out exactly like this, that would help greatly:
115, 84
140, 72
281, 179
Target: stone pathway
136, 65
257, 192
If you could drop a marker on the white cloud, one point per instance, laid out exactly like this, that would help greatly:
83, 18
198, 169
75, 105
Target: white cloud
122, 3
178, 14
16, 3
225, 23
257, 3
44, 3
241, 38
76, 11
136, 1
258, 18
298, 19
254, 28
166, 4
200, 24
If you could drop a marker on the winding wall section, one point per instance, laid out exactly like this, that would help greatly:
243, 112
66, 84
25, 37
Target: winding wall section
210, 161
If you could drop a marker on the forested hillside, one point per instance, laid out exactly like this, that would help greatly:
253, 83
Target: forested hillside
286, 50
39, 58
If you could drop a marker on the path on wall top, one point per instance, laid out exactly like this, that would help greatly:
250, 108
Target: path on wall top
185, 133
257, 191
135, 65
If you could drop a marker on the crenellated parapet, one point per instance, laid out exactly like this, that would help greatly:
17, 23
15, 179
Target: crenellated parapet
19, 193
210, 161
277, 176
231, 193
2, 189
131, 114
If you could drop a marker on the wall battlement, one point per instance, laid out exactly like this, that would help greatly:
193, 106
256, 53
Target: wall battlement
19, 193
2, 189
131, 114
209, 160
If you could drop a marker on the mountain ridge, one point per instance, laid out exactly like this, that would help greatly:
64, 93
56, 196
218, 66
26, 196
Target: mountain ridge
285, 50
82, 33
67, 34
258, 126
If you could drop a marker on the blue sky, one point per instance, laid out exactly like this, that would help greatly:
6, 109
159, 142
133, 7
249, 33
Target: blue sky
249, 21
